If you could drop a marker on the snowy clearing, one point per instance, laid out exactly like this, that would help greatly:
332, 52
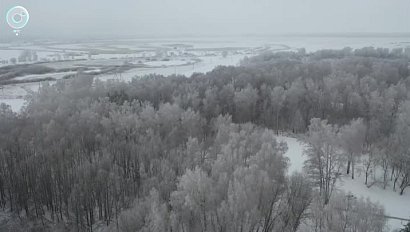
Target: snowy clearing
394, 204
294, 153
15, 104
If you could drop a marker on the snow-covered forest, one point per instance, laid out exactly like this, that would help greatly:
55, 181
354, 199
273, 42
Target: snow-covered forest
162, 154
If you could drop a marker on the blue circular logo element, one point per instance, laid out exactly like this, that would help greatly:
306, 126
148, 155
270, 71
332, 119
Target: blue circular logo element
17, 17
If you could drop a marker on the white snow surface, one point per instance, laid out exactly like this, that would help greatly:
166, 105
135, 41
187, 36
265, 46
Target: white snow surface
15, 104
294, 153
394, 204
205, 65
57, 76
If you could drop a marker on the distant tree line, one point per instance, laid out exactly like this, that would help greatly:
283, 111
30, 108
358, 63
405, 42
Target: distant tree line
199, 154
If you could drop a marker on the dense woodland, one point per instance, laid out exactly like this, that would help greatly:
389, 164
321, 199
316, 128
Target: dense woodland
199, 154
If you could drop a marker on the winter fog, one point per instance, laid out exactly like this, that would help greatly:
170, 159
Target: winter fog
95, 18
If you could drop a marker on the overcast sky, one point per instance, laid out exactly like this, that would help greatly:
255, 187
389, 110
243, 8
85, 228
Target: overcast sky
78, 18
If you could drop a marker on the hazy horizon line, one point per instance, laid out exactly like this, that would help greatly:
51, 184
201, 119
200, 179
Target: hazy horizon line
210, 35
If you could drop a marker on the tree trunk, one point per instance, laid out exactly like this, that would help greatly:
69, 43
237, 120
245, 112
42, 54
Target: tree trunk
277, 123
392, 172
352, 169
394, 183
367, 171
385, 178
404, 184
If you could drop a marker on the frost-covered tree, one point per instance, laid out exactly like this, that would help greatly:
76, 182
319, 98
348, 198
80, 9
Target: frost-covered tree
191, 201
298, 197
352, 139
245, 103
83, 151
278, 98
345, 212
146, 215
402, 157
323, 162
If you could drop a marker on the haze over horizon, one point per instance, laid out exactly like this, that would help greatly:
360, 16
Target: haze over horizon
99, 18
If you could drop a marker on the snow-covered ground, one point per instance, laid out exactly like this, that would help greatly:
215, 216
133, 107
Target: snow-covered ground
15, 104
8, 54
13, 95
14, 91
294, 153
57, 76
166, 63
207, 63
394, 204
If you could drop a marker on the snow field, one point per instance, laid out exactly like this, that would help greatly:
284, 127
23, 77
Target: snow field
394, 204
